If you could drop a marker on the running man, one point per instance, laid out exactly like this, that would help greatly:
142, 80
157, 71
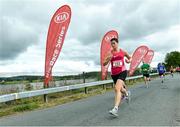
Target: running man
145, 69
161, 69
118, 73
171, 70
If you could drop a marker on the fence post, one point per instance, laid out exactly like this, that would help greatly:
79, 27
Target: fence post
45, 95
113, 85
86, 90
104, 87
65, 81
84, 79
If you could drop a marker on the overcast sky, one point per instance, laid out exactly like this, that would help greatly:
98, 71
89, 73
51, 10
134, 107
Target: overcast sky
24, 25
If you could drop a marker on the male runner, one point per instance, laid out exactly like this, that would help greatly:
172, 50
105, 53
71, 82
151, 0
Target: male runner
161, 69
145, 69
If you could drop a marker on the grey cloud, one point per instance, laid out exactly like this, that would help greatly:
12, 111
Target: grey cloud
93, 34
15, 38
73, 50
132, 19
31, 12
79, 54
165, 45
151, 16
21, 25
89, 27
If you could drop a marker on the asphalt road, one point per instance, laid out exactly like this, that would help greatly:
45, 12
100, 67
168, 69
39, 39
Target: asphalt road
158, 105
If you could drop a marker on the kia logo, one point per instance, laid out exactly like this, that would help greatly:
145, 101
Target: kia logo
61, 17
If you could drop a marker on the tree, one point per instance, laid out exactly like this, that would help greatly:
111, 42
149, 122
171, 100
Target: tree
172, 59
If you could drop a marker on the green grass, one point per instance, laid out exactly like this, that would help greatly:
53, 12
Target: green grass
14, 82
25, 107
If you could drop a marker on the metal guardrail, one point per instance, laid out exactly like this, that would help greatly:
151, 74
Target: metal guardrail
14, 96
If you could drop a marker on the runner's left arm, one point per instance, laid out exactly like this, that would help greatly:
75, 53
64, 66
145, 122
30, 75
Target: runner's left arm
128, 60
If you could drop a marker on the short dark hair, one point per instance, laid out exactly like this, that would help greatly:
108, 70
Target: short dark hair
114, 39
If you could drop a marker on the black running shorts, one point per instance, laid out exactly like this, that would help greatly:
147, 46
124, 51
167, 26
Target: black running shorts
121, 76
161, 74
146, 75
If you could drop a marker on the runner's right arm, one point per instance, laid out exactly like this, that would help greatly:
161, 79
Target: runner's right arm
107, 59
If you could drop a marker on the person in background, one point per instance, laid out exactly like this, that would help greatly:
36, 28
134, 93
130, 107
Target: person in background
171, 70
145, 69
161, 70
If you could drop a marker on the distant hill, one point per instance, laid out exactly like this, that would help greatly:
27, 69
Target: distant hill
32, 78
86, 75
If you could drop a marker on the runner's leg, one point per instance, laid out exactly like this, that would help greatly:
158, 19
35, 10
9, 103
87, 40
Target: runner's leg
119, 88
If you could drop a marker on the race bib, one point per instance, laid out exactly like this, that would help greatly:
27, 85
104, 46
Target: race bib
145, 69
161, 68
118, 63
